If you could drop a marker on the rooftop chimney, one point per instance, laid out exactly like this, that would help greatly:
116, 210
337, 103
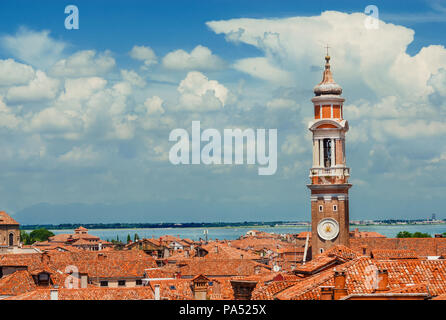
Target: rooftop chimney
45, 257
243, 289
339, 285
216, 249
257, 270
101, 256
157, 292
383, 281
327, 292
54, 293
200, 288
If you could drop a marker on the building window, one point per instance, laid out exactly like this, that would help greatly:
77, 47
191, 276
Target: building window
321, 250
11, 239
335, 207
139, 282
327, 153
121, 283
321, 208
104, 283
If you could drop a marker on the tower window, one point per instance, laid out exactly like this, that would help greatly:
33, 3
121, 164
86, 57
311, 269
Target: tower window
321, 250
321, 208
327, 153
335, 207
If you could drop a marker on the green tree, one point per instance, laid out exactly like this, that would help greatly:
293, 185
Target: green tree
404, 234
136, 237
25, 238
421, 235
41, 234
407, 234
129, 239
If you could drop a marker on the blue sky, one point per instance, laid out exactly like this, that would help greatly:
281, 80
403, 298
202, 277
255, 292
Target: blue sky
86, 114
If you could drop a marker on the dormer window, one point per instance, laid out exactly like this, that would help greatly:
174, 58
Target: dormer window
42, 279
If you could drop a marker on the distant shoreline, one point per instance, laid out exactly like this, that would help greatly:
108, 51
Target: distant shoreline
219, 225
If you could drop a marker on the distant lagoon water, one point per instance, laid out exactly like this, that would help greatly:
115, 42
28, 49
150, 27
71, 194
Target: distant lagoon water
232, 233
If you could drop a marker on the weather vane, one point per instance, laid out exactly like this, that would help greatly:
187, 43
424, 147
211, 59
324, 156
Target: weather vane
327, 47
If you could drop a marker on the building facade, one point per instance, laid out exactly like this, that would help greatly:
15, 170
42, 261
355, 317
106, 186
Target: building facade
329, 173
9, 231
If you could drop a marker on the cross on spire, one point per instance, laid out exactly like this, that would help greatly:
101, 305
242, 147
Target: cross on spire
327, 47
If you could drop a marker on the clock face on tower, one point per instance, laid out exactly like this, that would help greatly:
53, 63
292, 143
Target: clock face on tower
328, 229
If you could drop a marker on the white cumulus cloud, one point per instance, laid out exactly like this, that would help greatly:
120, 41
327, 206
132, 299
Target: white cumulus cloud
145, 54
200, 58
198, 93
41, 87
37, 48
14, 73
83, 64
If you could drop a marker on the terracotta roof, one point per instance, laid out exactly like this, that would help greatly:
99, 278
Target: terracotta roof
176, 289
225, 267
99, 264
270, 290
415, 288
156, 273
402, 275
335, 255
5, 219
17, 283
304, 234
139, 293
258, 244
385, 254
224, 251
365, 234
422, 246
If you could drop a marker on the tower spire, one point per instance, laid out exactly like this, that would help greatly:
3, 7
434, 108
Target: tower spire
327, 85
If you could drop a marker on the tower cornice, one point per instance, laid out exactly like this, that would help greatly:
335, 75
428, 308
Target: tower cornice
329, 187
340, 125
328, 98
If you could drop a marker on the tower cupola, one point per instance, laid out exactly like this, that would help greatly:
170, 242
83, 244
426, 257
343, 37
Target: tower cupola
327, 86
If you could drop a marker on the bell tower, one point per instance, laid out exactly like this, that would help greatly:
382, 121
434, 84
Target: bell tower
329, 173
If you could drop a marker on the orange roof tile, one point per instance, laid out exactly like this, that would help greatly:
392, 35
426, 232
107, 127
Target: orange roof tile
402, 274
139, 293
385, 254
17, 283
5, 219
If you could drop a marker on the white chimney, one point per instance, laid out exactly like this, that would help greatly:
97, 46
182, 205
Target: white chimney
54, 293
157, 292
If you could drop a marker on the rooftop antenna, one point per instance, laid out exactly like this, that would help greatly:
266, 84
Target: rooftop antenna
205, 232
306, 245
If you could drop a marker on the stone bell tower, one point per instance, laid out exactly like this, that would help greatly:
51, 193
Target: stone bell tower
329, 174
